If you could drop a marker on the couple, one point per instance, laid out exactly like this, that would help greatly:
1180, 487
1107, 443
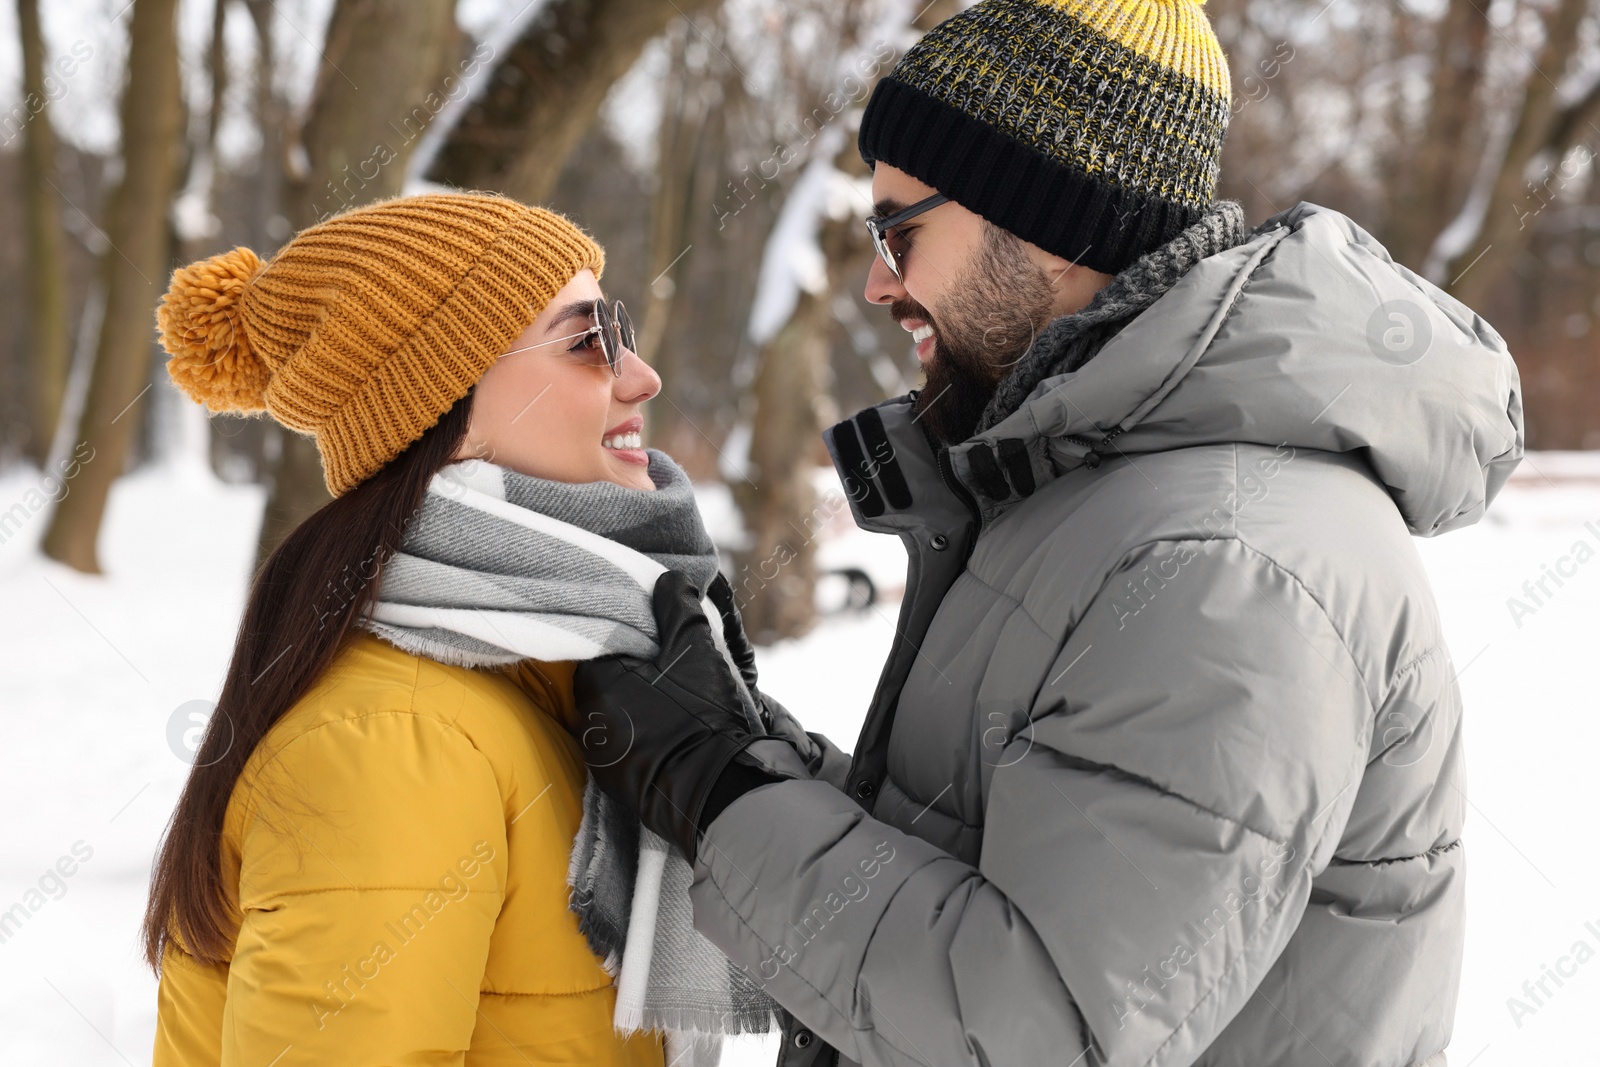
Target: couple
1165, 764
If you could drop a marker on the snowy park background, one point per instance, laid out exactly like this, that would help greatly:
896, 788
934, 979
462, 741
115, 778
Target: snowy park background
711, 150
95, 669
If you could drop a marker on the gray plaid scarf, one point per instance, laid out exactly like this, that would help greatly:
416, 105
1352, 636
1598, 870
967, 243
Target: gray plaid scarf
499, 567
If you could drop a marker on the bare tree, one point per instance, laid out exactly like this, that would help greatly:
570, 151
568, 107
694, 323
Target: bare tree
546, 92
192, 212
379, 85
689, 139
680, 141
49, 338
1414, 100
133, 267
1542, 128
1431, 183
776, 579
777, 575
267, 223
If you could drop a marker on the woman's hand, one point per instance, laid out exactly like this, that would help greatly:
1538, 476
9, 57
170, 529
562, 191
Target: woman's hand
661, 735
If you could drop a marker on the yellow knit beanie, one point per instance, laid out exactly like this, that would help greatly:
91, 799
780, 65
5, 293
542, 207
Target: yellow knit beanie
1090, 128
366, 328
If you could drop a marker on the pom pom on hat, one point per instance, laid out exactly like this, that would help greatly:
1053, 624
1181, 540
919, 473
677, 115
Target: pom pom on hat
199, 319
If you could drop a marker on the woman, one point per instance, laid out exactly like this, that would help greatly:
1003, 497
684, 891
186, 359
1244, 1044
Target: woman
370, 861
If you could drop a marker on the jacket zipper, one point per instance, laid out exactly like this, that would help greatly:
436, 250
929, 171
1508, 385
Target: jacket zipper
947, 471
1094, 454
948, 475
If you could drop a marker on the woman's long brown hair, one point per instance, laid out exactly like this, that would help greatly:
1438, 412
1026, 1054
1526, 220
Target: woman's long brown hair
302, 604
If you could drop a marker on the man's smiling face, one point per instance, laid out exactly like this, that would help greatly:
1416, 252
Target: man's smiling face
972, 296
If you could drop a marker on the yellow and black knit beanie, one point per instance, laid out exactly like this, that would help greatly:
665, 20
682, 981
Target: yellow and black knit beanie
1092, 128
366, 328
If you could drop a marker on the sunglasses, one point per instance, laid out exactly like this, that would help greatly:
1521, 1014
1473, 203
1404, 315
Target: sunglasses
612, 331
890, 243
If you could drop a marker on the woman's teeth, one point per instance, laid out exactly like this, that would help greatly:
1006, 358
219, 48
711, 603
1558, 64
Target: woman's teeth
921, 333
623, 440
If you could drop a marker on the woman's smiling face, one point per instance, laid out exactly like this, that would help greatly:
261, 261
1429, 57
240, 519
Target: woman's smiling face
557, 411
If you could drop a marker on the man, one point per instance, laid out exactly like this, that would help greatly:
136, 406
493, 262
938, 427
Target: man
1165, 765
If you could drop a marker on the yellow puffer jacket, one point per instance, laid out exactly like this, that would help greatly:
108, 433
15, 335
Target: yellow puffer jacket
397, 851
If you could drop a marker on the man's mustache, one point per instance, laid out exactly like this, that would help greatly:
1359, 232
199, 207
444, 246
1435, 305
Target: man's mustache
907, 308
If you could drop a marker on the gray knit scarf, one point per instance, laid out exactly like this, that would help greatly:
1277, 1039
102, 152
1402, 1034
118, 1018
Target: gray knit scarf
499, 567
1073, 340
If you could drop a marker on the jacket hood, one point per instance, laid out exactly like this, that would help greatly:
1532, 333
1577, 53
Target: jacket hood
1308, 334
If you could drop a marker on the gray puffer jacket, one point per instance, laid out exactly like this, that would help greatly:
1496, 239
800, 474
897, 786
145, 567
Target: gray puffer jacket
1165, 765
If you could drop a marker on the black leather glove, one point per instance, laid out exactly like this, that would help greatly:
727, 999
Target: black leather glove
744, 656
663, 736
739, 647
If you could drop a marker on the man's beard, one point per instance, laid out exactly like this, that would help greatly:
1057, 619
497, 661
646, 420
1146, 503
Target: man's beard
987, 323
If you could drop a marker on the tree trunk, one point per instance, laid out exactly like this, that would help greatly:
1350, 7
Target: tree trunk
1435, 179
1504, 231
50, 344
776, 580
672, 208
379, 86
546, 92
268, 226
775, 583
675, 212
381, 82
134, 268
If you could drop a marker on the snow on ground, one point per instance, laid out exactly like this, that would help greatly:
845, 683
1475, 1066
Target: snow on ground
99, 674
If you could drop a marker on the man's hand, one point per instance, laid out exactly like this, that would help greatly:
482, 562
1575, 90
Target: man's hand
661, 735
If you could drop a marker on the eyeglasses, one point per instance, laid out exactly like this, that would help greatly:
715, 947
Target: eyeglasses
613, 329
890, 243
